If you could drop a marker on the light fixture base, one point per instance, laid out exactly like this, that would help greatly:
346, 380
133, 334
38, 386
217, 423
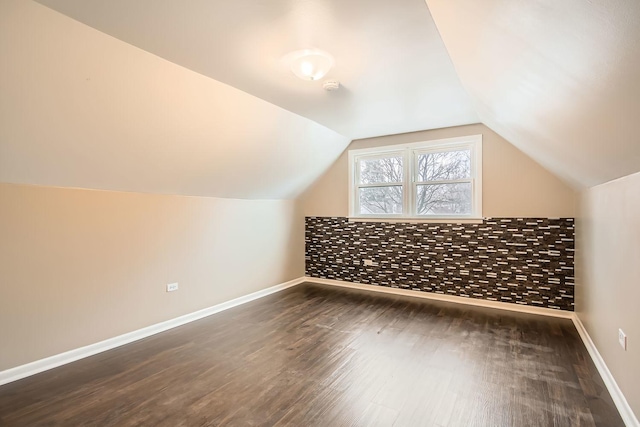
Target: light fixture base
331, 85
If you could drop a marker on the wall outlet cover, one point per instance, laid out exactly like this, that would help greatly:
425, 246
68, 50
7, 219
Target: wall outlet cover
622, 339
172, 287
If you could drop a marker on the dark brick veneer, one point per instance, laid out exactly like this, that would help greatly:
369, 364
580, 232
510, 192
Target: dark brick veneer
524, 261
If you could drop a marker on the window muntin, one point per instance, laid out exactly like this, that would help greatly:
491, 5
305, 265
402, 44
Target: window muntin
436, 179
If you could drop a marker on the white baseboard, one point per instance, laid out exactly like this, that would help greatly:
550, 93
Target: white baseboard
41, 365
629, 418
448, 298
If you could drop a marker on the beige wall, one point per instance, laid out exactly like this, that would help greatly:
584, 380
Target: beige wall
608, 277
80, 266
513, 184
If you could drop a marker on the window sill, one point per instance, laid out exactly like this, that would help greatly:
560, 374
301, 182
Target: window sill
417, 220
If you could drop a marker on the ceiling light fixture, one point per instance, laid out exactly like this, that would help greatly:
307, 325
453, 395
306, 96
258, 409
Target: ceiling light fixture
310, 64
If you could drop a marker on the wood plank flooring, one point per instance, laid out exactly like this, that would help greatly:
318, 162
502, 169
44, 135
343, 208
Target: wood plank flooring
321, 356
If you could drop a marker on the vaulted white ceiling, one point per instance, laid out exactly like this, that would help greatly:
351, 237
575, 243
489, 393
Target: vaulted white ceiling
558, 79
395, 73
191, 97
79, 108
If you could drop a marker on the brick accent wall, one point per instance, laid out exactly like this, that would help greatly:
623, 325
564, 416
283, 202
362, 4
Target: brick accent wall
515, 260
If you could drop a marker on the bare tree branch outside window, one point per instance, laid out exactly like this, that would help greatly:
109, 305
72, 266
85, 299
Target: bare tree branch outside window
443, 198
436, 176
384, 199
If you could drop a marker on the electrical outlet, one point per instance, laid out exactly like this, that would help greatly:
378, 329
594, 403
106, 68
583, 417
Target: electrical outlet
172, 287
622, 339
368, 262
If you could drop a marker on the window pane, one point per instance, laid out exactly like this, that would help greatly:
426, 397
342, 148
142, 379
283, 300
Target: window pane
444, 199
381, 200
376, 171
444, 166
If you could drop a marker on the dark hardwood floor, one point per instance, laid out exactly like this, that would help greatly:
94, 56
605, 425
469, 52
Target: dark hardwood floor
321, 356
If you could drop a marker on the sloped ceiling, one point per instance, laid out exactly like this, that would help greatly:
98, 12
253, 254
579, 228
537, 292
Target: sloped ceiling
558, 79
79, 108
395, 73
220, 116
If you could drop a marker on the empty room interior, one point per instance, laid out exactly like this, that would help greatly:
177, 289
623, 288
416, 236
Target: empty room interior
320, 213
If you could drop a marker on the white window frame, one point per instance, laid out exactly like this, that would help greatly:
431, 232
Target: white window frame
409, 154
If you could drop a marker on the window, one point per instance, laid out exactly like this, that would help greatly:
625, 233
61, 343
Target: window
433, 179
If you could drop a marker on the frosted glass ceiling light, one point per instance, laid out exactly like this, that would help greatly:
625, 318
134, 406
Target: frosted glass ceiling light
310, 64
